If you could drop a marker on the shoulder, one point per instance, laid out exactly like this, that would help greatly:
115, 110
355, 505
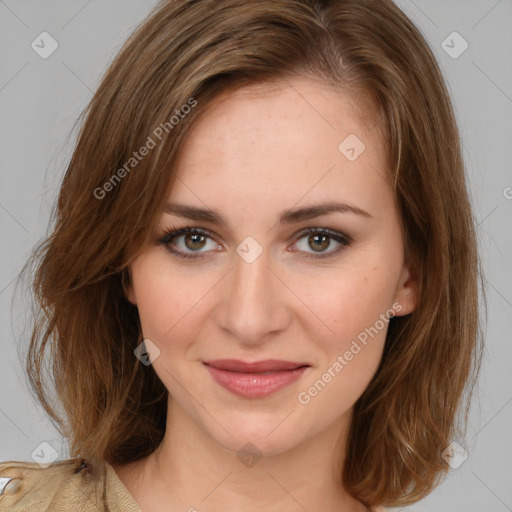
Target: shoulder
61, 486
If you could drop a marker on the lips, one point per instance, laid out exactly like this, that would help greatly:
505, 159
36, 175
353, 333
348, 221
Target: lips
269, 365
257, 379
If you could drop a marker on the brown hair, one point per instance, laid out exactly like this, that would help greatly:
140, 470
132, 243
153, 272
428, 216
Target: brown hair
186, 53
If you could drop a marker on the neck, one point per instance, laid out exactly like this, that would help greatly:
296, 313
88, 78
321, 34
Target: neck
193, 472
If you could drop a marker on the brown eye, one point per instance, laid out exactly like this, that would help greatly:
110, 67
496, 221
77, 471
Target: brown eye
318, 240
184, 242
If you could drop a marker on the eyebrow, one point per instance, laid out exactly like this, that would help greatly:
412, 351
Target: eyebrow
286, 217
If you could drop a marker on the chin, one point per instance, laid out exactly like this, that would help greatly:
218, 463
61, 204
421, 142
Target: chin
267, 436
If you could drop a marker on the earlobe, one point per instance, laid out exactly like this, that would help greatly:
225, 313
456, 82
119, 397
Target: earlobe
128, 290
130, 295
406, 295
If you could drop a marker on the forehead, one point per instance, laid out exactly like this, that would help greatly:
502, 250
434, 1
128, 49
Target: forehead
285, 140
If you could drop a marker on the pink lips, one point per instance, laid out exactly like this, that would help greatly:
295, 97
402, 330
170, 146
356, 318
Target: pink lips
257, 379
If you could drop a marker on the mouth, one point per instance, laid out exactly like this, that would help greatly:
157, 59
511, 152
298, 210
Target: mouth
255, 379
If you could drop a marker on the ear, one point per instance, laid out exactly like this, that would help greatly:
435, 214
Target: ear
129, 292
406, 294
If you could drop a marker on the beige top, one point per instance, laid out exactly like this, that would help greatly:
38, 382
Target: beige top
28, 487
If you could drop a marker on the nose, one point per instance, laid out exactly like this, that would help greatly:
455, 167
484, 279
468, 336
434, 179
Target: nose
254, 301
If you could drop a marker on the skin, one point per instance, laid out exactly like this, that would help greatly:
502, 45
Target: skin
258, 151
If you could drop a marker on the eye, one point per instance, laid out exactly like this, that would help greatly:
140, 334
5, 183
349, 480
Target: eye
320, 239
193, 239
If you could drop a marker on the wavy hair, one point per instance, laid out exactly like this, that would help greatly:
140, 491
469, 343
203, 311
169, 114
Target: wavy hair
186, 53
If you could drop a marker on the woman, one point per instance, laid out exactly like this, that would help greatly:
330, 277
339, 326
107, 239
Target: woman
261, 287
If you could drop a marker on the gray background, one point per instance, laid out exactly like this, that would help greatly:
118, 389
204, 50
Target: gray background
40, 100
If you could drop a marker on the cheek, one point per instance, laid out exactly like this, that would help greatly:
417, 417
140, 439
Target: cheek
356, 308
166, 300
346, 305
357, 313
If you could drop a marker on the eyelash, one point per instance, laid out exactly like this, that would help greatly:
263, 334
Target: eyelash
174, 232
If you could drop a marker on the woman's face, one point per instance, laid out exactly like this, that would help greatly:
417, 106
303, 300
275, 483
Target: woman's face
257, 286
